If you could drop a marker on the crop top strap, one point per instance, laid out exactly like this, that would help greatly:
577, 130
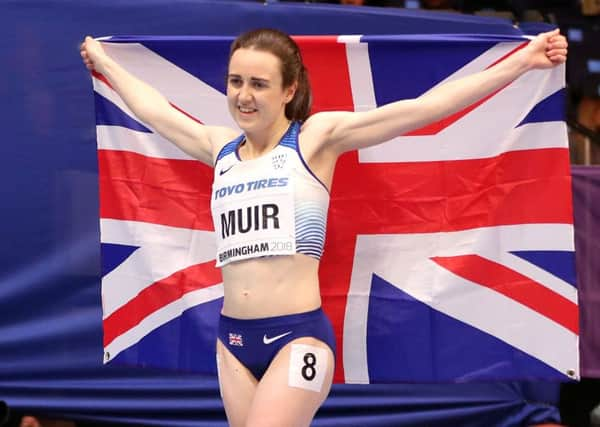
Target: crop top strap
230, 147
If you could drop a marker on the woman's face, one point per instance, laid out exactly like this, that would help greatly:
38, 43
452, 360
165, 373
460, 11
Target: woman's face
255, 95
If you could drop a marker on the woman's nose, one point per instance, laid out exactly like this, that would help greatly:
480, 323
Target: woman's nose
245, 93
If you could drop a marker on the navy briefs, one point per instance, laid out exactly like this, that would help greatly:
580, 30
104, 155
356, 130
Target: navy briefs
256, 342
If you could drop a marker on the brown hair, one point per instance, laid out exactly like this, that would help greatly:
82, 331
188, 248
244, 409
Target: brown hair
292, 68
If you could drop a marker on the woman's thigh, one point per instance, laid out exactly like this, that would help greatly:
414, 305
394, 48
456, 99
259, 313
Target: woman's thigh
296, 383
237, 386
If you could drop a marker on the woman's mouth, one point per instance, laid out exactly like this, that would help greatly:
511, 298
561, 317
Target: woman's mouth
246, 110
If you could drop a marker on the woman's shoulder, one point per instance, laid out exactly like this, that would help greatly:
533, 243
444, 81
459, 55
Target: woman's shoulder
221, 136
322, 122
314, 140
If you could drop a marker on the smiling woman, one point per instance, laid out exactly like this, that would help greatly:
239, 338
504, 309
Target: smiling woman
275, 347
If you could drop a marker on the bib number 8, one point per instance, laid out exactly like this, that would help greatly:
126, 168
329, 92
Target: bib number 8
308, 367
308, 370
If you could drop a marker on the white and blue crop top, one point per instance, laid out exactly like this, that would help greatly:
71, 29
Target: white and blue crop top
270, 205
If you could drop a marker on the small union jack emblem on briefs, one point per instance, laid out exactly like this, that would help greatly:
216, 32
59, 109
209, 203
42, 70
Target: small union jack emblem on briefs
236, 339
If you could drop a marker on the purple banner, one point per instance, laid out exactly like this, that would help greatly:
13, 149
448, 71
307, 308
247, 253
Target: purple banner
586, 204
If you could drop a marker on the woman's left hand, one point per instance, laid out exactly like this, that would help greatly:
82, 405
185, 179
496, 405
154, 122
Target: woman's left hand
547, 50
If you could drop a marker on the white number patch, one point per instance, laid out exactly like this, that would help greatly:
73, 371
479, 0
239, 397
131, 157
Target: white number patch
308, 366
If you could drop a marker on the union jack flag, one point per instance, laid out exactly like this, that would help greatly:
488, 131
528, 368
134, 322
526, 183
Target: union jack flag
236, 339
449, 253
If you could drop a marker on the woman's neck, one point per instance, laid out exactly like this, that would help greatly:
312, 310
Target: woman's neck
260, 143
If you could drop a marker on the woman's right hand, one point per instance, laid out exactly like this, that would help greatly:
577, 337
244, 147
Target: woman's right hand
92, 53
152, 108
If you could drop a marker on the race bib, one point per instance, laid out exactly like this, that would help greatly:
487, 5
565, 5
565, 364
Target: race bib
253, 211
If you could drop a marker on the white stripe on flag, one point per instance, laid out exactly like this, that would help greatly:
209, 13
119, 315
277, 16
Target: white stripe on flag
159, 318
148, 144
163, 251
487, 131
105, 91
488, 243
440, 147
359, 68
506, 109
177, 85
404, 261
353, 38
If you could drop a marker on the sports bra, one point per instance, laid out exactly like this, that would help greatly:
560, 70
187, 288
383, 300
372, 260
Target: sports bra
271, 205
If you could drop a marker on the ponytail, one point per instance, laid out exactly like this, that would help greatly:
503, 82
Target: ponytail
298, 108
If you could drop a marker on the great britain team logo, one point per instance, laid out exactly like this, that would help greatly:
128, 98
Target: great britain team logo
278, 160
236, 340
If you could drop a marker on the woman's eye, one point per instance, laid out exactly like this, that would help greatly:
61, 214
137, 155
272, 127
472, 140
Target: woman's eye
259, 85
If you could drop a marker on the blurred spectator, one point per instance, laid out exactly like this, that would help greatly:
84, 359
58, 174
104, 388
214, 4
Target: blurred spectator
437, 4
9, 418
590, 7
595, 417
31, 421
585, 135
3, 413
579, 403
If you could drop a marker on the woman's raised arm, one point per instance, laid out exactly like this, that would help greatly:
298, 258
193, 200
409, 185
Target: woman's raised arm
345, 131
153, 108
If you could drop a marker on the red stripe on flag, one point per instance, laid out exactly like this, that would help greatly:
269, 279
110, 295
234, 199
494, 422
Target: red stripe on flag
453, 195
104, 80
436, 127
159, 295
186, 113
521, 46
515, 286
162, 191
327, 65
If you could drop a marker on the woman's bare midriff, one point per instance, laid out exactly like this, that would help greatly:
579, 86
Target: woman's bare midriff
271, 286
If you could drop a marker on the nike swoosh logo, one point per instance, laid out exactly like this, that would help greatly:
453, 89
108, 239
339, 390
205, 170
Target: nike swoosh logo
273, 339
224, 171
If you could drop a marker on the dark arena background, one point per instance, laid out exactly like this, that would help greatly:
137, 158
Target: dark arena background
51, 367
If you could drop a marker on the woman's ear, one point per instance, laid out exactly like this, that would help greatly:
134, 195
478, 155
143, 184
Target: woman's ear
290, 91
